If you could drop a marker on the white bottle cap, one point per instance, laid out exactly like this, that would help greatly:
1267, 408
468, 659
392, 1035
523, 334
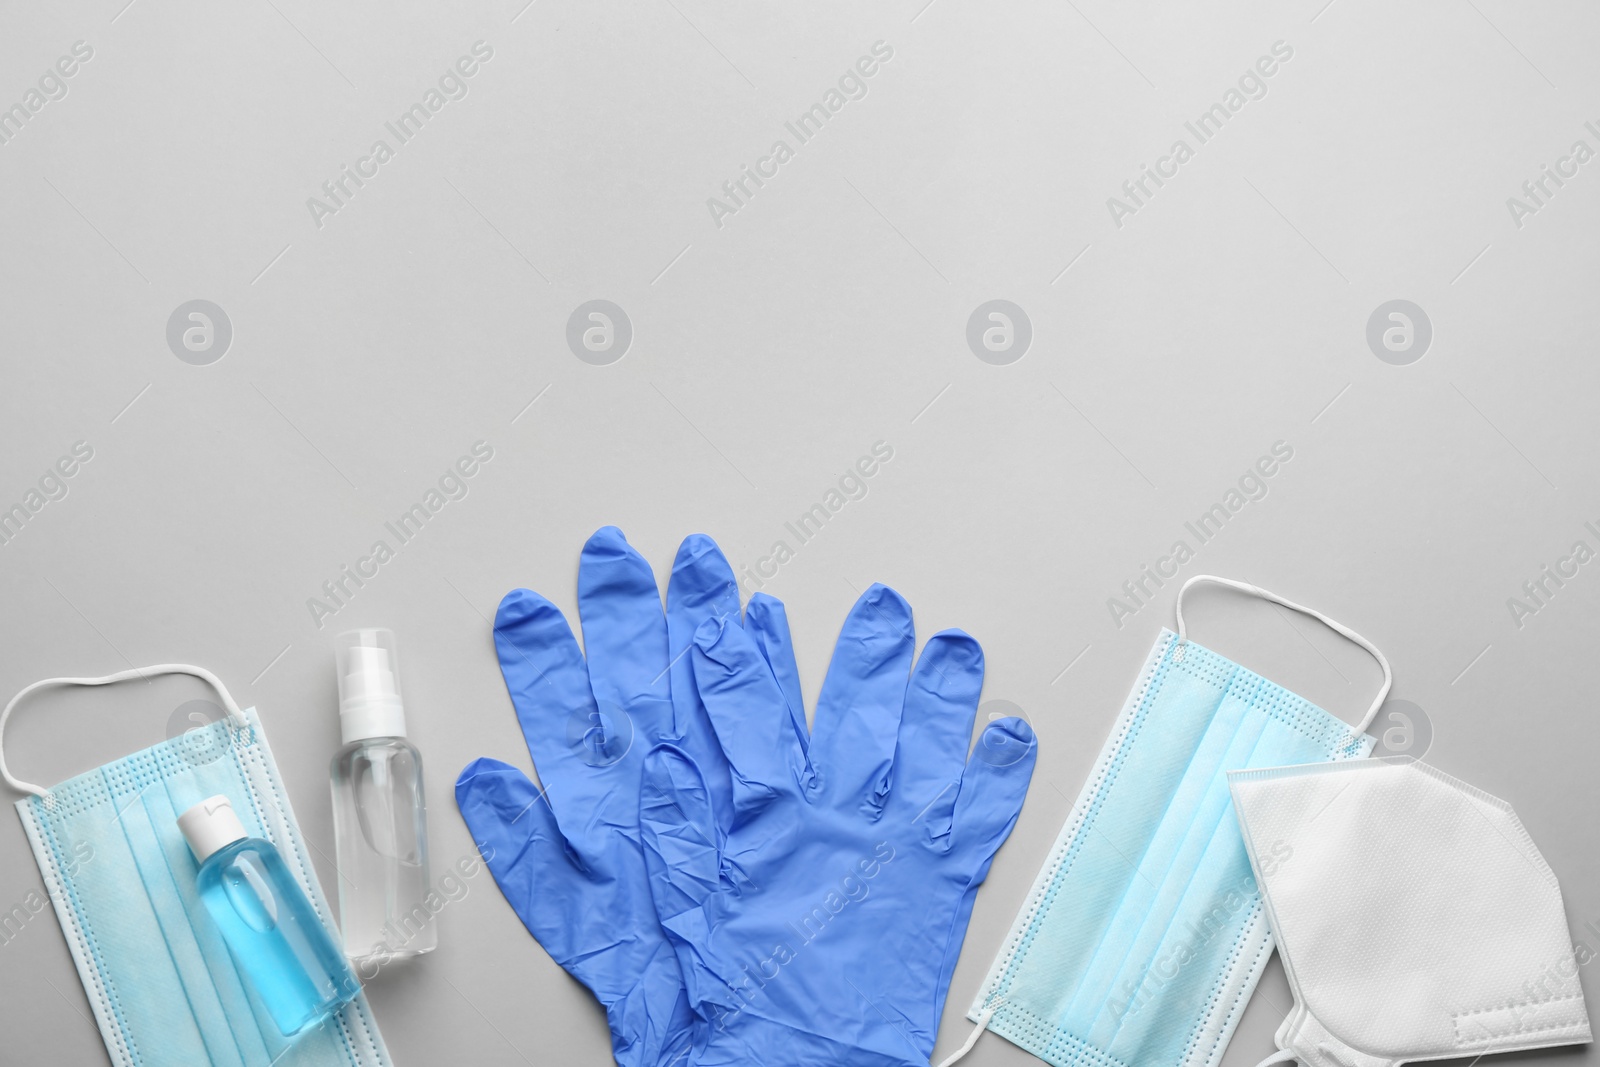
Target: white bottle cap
209, 825
369, 686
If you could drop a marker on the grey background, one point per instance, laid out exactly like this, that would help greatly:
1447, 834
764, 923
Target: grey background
769, 354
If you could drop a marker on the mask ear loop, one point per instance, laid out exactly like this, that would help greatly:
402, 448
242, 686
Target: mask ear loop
977, 1031
121, 676
1338, 627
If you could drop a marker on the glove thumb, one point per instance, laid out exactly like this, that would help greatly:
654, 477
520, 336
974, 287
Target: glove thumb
516, 833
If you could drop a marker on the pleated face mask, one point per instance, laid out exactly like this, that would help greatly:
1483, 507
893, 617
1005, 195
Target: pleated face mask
122, 880
1143, 935
1415, 917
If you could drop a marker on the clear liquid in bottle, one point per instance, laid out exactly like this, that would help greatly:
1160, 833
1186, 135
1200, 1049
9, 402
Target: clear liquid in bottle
380, 825
380, 815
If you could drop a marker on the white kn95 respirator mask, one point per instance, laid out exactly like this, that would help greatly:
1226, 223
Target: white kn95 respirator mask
1415, 917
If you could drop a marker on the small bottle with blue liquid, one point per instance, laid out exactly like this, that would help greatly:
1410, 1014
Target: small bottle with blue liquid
273, 933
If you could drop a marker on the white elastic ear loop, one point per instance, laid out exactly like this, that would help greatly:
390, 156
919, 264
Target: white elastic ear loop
977, 1031
120, 676
1337, 627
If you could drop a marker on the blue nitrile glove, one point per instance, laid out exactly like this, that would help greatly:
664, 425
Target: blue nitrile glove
568, 860
820, 925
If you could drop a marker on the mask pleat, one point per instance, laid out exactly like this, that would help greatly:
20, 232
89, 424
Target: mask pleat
1154, 894
143, 805
76, 837
1205, 881
1106, 869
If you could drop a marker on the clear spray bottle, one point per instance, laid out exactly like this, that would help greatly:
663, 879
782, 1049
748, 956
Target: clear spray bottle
379, 810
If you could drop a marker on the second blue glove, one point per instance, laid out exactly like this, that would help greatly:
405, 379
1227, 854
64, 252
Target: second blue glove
819, 920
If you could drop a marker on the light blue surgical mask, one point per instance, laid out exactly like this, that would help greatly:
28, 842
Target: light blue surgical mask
157, 974
1144, 935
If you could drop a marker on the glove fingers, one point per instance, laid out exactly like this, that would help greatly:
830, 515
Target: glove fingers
701, 587
936, 729
992, 790
750, 714
858, 714
624, 633
517, 836
768, 625
678, 831
549, 685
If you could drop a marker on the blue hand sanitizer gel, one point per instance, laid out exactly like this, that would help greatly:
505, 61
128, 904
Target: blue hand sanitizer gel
272, 932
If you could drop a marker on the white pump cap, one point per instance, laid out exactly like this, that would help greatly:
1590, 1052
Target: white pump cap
210, 825
369, 686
